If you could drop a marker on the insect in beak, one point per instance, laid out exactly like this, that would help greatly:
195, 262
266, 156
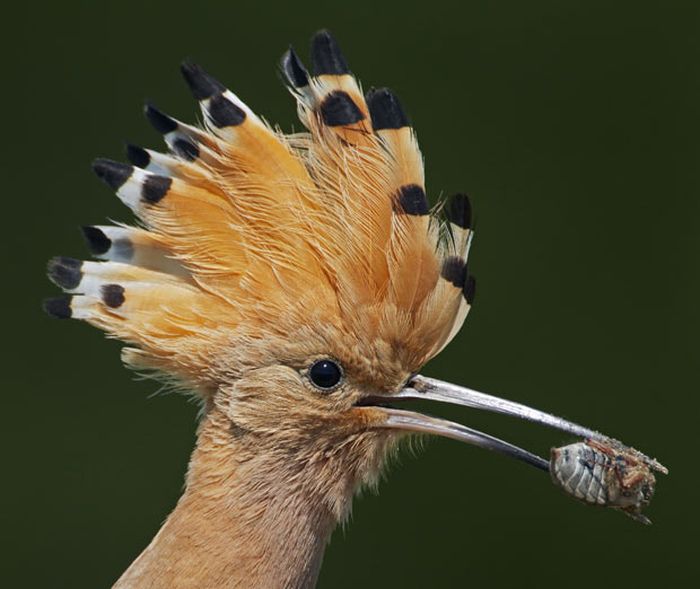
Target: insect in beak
421, 387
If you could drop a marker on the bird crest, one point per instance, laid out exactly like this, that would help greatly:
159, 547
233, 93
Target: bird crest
248, 236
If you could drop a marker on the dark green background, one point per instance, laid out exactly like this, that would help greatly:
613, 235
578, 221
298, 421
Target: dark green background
573, 125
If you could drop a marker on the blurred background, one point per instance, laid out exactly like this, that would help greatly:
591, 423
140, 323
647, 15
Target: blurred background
573, 126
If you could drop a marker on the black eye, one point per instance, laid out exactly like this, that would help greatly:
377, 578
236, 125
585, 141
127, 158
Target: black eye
325, 374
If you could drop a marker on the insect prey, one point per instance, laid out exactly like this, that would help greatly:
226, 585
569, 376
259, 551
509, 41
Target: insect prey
606, 473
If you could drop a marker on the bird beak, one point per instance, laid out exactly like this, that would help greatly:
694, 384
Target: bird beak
421, 387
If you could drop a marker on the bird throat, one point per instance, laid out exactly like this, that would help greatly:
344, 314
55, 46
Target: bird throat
244, 520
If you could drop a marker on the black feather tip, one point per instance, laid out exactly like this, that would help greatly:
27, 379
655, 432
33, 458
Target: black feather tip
159, 120
58, 307
294, 70
98, 243
201, 84
470, 289
454, 270
137, 155
326, 56
65, 272
385, 110
411, 200
112, 173
459, 211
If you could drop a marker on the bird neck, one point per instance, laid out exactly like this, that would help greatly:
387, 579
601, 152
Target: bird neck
244, 520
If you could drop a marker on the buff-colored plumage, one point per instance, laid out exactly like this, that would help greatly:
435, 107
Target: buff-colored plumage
260, 252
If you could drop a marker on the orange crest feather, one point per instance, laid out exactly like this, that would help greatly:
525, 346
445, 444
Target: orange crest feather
248, 230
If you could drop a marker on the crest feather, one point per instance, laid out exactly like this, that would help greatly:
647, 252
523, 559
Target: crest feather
248, 229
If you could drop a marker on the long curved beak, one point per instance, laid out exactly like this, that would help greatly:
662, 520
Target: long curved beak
421, 387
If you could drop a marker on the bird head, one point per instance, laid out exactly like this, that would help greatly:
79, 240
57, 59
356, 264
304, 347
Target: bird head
297, 283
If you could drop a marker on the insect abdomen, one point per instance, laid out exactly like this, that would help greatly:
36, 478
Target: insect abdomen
582, 472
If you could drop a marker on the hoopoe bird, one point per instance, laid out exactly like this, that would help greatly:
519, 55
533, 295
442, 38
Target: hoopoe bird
296, 284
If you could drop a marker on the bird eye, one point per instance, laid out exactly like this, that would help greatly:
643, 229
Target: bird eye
325, 374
